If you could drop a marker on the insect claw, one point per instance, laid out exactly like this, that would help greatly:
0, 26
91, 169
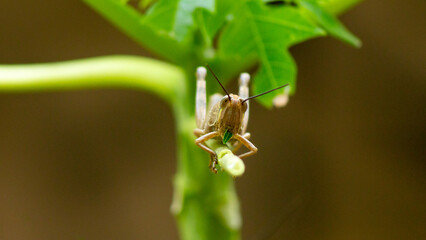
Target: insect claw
213, 167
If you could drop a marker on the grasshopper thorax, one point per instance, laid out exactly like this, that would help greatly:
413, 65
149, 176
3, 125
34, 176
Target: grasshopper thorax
231, 113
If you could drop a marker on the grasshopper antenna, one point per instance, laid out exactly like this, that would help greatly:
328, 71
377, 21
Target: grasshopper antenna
258, 95
229, 97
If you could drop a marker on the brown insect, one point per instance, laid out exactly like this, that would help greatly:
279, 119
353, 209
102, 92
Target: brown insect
227, 116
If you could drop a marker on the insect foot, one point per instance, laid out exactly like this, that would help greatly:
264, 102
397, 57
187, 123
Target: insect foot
213, 163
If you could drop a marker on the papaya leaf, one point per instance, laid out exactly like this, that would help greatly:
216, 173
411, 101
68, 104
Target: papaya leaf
145, 4
175, 17
209, 22
337, 7
248, 32
267, 32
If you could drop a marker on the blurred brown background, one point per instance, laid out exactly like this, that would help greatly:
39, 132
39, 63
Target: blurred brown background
344, 160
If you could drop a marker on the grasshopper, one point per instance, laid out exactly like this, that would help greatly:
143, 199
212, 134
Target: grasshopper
227, 116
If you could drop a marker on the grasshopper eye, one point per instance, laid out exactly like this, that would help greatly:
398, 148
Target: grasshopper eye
224, 101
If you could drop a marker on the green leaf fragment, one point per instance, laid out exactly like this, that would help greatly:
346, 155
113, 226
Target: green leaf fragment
226, 137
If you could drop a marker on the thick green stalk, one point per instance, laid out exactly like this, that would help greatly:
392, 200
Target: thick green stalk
205, 205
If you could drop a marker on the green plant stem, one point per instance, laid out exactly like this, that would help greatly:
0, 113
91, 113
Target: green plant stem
101, 72
205, 205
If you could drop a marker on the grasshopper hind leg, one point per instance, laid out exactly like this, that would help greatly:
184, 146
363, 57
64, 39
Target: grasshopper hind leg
243, 92
200, 115
200, 97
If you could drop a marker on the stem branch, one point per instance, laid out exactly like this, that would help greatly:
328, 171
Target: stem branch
101, 72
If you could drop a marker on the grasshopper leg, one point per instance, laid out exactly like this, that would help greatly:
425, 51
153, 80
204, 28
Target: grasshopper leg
243, 91
200, 142
239, 143
200, 96
198, 132
247, 144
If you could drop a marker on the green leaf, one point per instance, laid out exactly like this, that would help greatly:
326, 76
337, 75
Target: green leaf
144, 4
175, 17
337, 7
210, 22
330, 23
267, 32
254, 33
129, 20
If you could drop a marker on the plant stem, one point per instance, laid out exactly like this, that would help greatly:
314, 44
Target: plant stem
101, 72
205, 204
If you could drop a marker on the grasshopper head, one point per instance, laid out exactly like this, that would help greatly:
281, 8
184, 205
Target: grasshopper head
232, 109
